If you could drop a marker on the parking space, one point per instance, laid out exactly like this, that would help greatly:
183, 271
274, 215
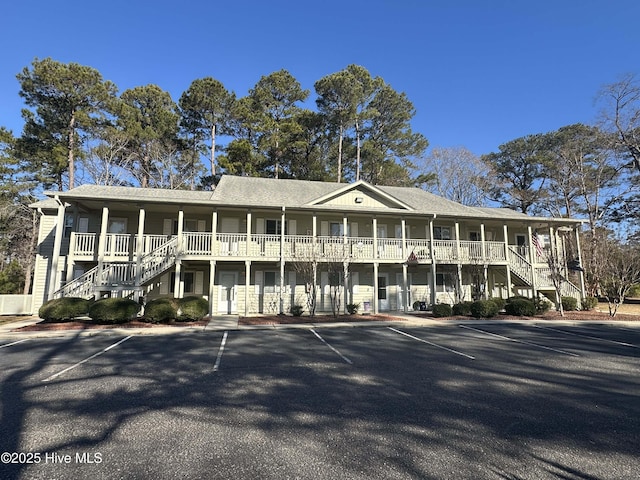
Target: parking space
481, 400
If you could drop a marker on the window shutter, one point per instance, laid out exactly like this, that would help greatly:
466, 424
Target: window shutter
324, 228
164, 284
355, 282
199, 283
83, 224
259, 226
167, 226
292, 281
293, 225
258, 282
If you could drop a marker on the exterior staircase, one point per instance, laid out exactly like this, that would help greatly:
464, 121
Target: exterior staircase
122, 274
522, 269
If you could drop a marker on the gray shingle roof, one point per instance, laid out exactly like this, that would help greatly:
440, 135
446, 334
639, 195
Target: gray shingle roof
277, 193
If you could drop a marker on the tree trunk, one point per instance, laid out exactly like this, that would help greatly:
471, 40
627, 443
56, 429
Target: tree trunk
71, 146
213, 150
340, 154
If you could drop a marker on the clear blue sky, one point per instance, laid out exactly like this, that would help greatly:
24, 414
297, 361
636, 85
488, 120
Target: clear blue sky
479, 73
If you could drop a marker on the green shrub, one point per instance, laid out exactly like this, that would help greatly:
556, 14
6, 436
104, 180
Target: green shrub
484, 309
543, 305
353, 308
442, 310
521, 307
569, 303
462, 308
296, 310
500, 302
589, 303
114, 310
160, 310
64, 309
192, 309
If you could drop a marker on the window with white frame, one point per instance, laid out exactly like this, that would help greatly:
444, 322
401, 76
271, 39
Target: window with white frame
274, 227
445, 282
442, 233
269, 283
117, 225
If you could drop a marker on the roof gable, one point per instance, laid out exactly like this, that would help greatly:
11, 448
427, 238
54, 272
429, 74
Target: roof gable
360, 194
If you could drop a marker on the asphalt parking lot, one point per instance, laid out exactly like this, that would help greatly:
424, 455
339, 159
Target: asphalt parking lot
495, 401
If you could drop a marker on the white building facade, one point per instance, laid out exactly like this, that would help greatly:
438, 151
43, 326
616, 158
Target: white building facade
258, 245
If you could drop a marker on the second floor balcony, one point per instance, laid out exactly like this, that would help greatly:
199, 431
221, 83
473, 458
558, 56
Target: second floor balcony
221, 246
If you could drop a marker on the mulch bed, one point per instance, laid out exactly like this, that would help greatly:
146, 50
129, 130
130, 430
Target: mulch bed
289, 319
89, 324
549, 316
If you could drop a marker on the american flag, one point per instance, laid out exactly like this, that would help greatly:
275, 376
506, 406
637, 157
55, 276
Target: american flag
537, 242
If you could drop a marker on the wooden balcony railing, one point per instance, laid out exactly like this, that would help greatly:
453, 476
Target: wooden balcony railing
206, 244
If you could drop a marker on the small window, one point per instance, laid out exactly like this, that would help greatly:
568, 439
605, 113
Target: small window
188, 280
442, 233
274, 227
269, 282
117, 225
337, 229
445, 282
68, 225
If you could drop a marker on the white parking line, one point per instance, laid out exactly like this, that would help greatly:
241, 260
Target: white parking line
220, 350
519, 341
431, 343
87, 359
589, 336
13, 343
336, 351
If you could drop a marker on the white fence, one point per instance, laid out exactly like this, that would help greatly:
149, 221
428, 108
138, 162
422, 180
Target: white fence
16, 304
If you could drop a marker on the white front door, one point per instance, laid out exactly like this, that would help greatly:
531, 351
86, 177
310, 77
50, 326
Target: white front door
383, 291
381, 232
227, 298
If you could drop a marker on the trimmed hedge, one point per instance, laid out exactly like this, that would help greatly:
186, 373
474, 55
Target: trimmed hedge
484, 309
160, 310
589, 303
192, 309
500, 302
442, 310
462, 308
521, 307
64, 309
114, 310
543, 305
569, 303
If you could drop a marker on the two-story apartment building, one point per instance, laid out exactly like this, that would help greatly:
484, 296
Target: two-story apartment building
247, 246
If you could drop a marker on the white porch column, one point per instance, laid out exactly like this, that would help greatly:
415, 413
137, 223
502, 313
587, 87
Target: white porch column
483, 239
139, 250
508, 258
375, 238
532, 259
405, 288
180, 231
345, 264
248, 242
247, 285
282, 229
176, 283
403, 225
583, 291
57, 244
457, 230
432, 253
102, 242
375, 287
214, 229
212, 276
